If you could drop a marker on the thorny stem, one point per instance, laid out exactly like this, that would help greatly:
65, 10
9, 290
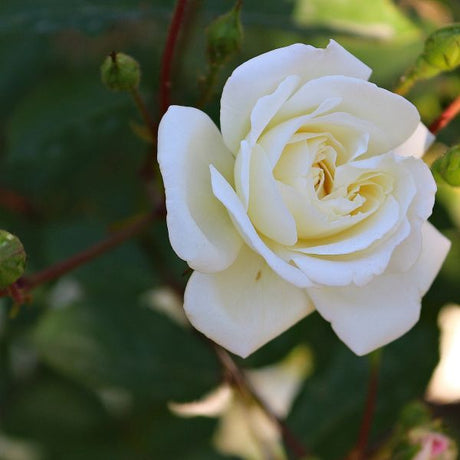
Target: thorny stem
168, 55
27, 283
242, 384
446, 116
359, 452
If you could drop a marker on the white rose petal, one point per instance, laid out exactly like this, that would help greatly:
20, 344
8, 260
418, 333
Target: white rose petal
199, 228
245, 306
368, 317
262, 75
227, 196
419, 142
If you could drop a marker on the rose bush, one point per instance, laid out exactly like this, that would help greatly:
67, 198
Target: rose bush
312, 196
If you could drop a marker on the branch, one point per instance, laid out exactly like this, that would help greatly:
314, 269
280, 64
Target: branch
168, 55
359, 451
27, 283
241, 382
14, 202
446, 117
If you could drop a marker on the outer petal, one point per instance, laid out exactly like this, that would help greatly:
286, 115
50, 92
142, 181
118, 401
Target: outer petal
199, 227
213, 404
279, 384
245, 306
368, 317
262, 75
417, 144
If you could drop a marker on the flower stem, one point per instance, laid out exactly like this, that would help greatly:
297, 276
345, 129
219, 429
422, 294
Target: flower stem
404, 86
446, 116
239, 379
168, 55
148, 121
209, 84
25, 284
359, 452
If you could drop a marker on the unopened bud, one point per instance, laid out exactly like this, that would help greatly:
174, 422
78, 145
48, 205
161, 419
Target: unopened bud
442, 48
12, 259
441, 53
120, 72
447, 167
224, 36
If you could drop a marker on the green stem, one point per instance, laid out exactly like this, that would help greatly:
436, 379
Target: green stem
405, 85
209, 85
141, 106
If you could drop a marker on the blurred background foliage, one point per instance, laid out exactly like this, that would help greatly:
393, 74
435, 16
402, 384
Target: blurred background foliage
87, 366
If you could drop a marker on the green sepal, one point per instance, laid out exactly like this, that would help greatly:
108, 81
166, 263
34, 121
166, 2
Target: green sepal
447, 167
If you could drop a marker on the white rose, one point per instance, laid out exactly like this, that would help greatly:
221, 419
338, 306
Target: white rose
312, 197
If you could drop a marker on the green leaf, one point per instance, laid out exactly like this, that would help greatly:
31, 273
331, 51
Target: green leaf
331, 403
55, 409
12, 259
120, 345
51, 16
62, 125
379, 18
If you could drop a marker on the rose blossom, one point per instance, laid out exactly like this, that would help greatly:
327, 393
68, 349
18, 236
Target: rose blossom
312, 196
433, 445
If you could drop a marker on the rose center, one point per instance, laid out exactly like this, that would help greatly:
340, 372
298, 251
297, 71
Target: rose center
323, 171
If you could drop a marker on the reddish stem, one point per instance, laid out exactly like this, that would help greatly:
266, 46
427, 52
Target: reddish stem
67, 265
359, 451
14, 202
239, 379
446, 117
168, 55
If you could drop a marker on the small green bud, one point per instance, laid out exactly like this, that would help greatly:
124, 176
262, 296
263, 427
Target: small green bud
447, 167
224, 36
441, 53
442, 48
120, 72
12, 259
